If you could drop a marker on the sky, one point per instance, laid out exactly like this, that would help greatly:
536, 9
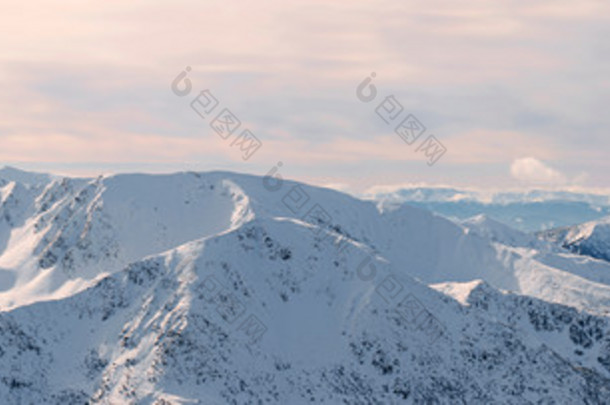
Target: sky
516, 92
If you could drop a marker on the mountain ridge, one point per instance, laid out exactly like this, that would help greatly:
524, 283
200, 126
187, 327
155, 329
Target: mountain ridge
227, 288
162, 341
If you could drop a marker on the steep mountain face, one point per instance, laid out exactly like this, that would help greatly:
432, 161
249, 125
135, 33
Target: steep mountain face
225, 288
589, 239
57, 238
273, 313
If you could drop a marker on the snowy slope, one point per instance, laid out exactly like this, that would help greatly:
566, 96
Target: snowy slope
495, 231
55, 239
76, 230
169, 329
226, 288
589, 239
12, 174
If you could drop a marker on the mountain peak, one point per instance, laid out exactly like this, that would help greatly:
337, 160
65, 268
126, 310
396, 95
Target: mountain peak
11, 173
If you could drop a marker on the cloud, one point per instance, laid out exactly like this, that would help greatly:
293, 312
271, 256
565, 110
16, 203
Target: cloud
532, 170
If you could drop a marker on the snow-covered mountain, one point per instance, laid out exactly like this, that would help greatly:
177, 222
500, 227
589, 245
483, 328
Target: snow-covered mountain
222, 288
176, 328
495, 231
589, 239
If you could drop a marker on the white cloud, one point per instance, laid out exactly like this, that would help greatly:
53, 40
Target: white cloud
532, 170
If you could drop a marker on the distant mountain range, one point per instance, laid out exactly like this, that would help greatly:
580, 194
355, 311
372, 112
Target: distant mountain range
530, 211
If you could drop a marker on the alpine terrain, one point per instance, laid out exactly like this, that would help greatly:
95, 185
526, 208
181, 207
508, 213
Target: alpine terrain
224, 288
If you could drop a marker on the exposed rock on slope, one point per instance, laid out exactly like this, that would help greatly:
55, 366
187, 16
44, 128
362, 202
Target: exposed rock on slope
272, 313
